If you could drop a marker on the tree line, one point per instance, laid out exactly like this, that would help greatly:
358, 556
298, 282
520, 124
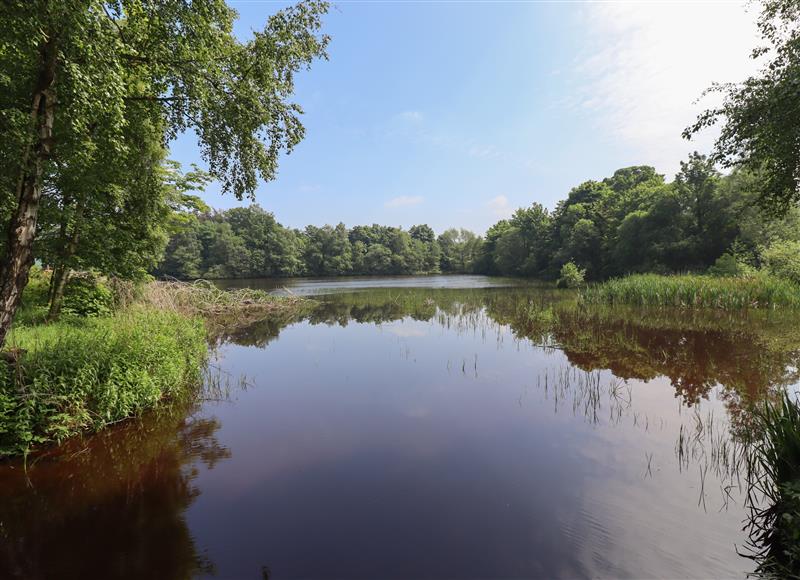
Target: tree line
632, 221
248, 242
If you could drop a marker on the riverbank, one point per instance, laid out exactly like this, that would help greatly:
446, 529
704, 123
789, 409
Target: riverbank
146, 347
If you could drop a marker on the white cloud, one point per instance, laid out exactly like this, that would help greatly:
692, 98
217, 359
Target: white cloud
405, 331
645, 66
500, 207
404, 201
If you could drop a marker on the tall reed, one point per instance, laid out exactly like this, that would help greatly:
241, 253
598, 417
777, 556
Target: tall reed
696, 291
774, 489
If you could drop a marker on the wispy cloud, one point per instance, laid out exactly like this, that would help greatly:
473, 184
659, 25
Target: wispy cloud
500, 207
646, 64
411, 116
309, 188
404, 201
483, 151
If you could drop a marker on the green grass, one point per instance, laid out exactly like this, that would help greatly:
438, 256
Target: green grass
81, 375
696, 291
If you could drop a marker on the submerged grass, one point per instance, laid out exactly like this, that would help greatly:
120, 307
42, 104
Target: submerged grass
696, 291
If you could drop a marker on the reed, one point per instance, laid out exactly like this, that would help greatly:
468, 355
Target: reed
774, 489
204, 299
696, 291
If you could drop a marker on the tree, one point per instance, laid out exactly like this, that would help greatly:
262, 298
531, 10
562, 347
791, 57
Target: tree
761, 116
115, 218
184, 256
78, 71
328, 251
460, 249
378, 259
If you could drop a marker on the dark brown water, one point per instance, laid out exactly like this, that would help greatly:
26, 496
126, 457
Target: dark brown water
437, 432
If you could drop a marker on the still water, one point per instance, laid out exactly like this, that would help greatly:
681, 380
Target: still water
449, 427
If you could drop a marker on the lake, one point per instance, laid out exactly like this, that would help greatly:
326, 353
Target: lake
429, 427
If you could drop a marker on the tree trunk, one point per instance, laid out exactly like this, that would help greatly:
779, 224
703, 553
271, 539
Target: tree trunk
62, 236
61, 270
60, 277
18, 259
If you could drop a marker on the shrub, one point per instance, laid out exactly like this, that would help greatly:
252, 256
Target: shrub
731, 266
571, 276
83, 374
33, 307
87, 295
782, 259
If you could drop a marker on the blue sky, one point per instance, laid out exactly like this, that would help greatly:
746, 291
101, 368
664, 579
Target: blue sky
456, 113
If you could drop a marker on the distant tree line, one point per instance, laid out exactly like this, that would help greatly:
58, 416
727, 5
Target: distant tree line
633, 221
248, 242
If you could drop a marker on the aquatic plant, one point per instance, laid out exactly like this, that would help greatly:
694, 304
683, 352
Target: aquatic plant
696, 291
774, 489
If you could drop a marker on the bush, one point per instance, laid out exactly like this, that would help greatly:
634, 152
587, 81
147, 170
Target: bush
728, 265
782, 259
571, 276
33, 307
87, 295
85, 374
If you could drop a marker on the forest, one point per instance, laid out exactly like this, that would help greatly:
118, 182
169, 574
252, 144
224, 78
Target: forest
631, 222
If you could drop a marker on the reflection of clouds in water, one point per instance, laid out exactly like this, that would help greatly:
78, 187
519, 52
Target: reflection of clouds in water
404, 331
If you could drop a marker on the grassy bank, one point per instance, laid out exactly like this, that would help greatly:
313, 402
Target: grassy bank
145, 347
83, 374
696, 291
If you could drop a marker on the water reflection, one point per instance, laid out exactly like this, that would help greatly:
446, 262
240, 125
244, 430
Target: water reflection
396, 432
112, 506
748, 353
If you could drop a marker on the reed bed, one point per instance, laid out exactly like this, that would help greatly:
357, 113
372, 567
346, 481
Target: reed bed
696, 291
202, 298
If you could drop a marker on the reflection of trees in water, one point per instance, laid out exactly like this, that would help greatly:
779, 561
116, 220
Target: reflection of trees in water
112, 506
695, 360
748, 353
